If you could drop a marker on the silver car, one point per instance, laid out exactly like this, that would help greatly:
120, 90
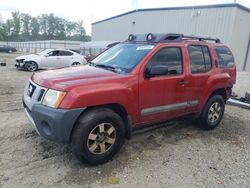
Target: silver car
50, 59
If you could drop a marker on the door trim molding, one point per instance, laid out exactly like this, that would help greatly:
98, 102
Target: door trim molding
170, 107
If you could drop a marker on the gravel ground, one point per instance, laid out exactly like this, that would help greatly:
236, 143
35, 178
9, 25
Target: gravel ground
176, 155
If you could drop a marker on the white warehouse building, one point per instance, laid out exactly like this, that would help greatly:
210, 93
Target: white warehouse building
228, 22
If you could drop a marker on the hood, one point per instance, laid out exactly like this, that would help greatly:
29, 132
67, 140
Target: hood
27, 56
62, 79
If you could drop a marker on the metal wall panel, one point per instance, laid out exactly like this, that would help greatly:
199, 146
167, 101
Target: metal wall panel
240, 37
214, 22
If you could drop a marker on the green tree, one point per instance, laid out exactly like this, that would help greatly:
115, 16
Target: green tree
60, 25
16, 19
8, 29
35, 27
80, 29
26, 25
43, 21
70, 28
23, 26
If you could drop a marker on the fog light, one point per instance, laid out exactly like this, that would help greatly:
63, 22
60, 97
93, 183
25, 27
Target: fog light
46, 128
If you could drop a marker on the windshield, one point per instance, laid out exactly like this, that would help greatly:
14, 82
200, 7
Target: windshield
44, 52
123, 57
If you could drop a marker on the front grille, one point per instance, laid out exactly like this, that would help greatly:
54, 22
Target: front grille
41, 95
31, 90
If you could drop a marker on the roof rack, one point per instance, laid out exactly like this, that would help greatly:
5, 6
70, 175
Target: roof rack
175, 36
169, 37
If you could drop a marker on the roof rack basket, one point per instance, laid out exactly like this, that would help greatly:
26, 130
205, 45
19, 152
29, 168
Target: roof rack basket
175, 36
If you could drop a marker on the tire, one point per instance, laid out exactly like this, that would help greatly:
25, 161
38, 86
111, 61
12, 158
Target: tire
31, 66
75, 64
10, 51
212, 113
87, 146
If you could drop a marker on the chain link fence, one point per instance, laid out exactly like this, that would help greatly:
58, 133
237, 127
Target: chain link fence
86, 48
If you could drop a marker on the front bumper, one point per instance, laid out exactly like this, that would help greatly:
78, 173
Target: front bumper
53, 124
19, 65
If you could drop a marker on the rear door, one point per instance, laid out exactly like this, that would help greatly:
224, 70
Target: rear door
64, 58
200, 63
163, 97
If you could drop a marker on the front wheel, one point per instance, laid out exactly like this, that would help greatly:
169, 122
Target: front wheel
31, 66
98, 136
212, 113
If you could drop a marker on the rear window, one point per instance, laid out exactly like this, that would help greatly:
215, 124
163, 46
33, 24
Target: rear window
65, 53
225, 57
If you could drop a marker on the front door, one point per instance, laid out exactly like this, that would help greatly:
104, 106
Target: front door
51, 60
163, 96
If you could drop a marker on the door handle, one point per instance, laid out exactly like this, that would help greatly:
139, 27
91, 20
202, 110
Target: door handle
183, 82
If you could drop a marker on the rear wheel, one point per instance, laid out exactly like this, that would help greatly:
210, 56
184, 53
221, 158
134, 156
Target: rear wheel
98, 136
212, 113
75, 63
31, 66
10, 51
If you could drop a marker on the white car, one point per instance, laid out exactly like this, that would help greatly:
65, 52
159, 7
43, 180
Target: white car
50, 58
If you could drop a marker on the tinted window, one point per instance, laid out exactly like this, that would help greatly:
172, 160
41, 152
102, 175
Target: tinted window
65, 53
207, 57
169, 57
200, 60
225, 57
53, 53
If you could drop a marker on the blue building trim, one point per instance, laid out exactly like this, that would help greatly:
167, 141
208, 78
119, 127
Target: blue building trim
179, 8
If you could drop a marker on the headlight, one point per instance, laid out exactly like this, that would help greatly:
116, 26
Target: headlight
53, 98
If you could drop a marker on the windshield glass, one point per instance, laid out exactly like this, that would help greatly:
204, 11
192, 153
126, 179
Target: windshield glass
123, 56
44, 52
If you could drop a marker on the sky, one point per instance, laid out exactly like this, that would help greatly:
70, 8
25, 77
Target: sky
94, 10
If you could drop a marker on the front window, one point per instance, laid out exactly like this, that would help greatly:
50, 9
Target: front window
44, 52
122, 57
169, 57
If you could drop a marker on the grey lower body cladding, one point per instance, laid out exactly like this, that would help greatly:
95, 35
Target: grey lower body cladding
170, 107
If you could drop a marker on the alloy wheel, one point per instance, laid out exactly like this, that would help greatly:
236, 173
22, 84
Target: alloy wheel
101, 138
214, 112
31, 66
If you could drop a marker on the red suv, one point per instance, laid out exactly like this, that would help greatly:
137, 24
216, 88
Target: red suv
145, 80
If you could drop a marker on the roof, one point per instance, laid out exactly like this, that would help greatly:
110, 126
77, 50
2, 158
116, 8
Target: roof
179, 8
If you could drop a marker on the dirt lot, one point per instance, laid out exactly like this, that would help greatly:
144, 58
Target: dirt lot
176, 155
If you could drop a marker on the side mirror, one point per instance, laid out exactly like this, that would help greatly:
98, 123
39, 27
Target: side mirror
156, 70
46, 55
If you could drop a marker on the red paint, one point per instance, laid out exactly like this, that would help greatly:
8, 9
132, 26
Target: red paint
89, 86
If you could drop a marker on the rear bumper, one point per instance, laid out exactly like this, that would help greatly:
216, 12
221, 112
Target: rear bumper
53, 124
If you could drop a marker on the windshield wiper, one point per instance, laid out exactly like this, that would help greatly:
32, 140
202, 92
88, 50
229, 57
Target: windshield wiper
91, 64
106, 67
